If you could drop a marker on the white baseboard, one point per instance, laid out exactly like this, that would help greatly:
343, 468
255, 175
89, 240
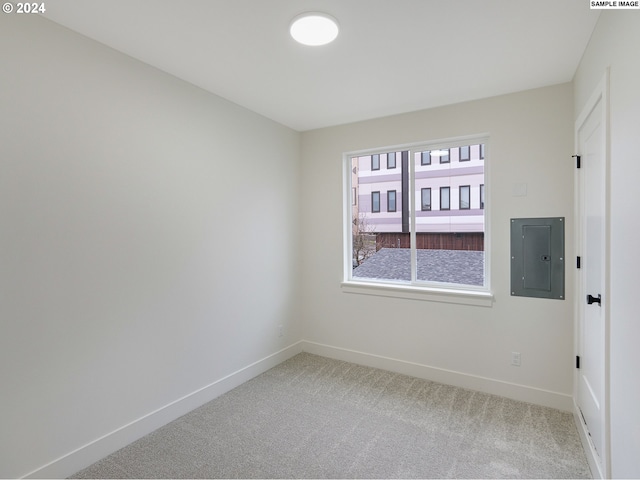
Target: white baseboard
587, 445
92, 452
514, 391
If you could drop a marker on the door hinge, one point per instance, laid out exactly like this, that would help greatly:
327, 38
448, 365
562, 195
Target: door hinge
577, 262
577, 361
577, 157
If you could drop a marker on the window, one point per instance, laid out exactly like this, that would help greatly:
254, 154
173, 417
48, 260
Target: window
445, 197
465, 197
375, 162
482, 151
434, 248
391, 201
465, 153
425, 194
354, 199
391, 160
375, 202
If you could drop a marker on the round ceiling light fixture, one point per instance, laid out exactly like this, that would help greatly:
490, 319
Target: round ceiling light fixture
314, 28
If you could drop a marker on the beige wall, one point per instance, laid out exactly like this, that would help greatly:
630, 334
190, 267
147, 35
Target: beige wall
531, 141
135, 264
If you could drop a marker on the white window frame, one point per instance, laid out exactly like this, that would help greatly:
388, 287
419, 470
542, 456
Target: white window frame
416, 289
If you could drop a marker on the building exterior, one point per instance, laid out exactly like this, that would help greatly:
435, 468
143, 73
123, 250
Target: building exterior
448, 195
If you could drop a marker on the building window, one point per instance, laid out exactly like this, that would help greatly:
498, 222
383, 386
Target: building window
445, 198
482, 151
465, 197
391, 201
391, 160
375, 202
375, 162
425, 194
465, 153
444, 157
428, 240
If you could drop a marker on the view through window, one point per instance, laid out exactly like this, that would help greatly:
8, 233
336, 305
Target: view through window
419, 215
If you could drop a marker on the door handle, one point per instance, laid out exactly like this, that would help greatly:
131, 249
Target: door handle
591, 299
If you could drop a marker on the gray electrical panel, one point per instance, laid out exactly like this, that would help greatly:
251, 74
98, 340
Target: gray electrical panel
537, 257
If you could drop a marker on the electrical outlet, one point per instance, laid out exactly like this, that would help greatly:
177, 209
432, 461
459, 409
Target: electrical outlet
515, 359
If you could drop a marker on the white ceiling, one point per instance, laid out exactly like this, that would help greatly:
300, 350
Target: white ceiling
392, 56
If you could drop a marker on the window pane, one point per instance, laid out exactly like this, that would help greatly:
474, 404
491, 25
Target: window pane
444, 198
391, 201
391, 160
375, 162
380, 239
426, 199
481, 196
425, 158
375, 202
449, 234
465, 197
465, 153
444, 157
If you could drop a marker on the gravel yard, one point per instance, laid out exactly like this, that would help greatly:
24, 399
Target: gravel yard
451, 266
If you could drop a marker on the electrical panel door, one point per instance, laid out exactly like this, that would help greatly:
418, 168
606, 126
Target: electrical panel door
537, 257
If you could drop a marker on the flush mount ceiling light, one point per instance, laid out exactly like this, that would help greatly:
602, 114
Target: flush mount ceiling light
314, 28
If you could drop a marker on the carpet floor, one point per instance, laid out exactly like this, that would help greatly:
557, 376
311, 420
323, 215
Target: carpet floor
314, 417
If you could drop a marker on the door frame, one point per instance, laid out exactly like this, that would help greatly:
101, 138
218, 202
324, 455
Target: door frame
600, 464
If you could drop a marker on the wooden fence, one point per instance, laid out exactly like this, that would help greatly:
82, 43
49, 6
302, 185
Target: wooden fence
435, 241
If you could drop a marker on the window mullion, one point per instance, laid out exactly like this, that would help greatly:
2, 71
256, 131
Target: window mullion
412, 215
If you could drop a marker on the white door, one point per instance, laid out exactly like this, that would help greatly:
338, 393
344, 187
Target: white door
591, 281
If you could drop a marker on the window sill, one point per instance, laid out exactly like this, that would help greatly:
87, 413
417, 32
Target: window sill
443, 295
